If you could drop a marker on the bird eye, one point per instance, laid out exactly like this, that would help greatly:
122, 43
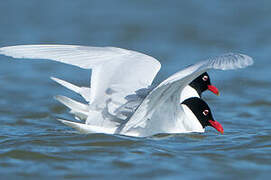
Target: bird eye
205, 112
205, 78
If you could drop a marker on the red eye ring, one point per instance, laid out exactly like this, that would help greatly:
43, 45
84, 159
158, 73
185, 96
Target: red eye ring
205, 112
205, 78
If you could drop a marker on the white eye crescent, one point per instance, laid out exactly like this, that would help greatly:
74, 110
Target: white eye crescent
205, 78
205, 112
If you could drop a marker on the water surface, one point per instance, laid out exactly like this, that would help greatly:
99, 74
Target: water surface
34, 145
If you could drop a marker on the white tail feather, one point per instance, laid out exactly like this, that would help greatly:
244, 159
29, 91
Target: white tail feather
79, 115
84, 128
76, 107
83, 91
67, 84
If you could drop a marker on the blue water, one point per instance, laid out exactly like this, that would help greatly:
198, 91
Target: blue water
33, 145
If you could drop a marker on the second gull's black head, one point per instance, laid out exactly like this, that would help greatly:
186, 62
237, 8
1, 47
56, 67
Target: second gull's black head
203, 113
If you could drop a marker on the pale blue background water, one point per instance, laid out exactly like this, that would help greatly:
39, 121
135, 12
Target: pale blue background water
34, 146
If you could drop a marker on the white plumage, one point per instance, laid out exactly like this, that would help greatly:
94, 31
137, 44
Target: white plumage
120, 98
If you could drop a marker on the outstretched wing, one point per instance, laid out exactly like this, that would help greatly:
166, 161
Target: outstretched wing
161, 108
116, 72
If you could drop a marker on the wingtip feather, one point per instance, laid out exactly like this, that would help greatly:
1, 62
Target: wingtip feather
249, 60
230, 61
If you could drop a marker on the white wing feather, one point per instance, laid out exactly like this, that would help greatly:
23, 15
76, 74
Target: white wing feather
161, 111
116, 72
81, 56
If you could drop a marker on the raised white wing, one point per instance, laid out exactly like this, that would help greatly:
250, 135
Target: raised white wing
161, 111
116, 72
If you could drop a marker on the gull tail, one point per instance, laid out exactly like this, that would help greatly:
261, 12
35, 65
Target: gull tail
80, 110
67, 85
87, 129
83, 91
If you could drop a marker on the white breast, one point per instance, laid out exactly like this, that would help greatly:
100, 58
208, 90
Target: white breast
188, 92
191, 123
